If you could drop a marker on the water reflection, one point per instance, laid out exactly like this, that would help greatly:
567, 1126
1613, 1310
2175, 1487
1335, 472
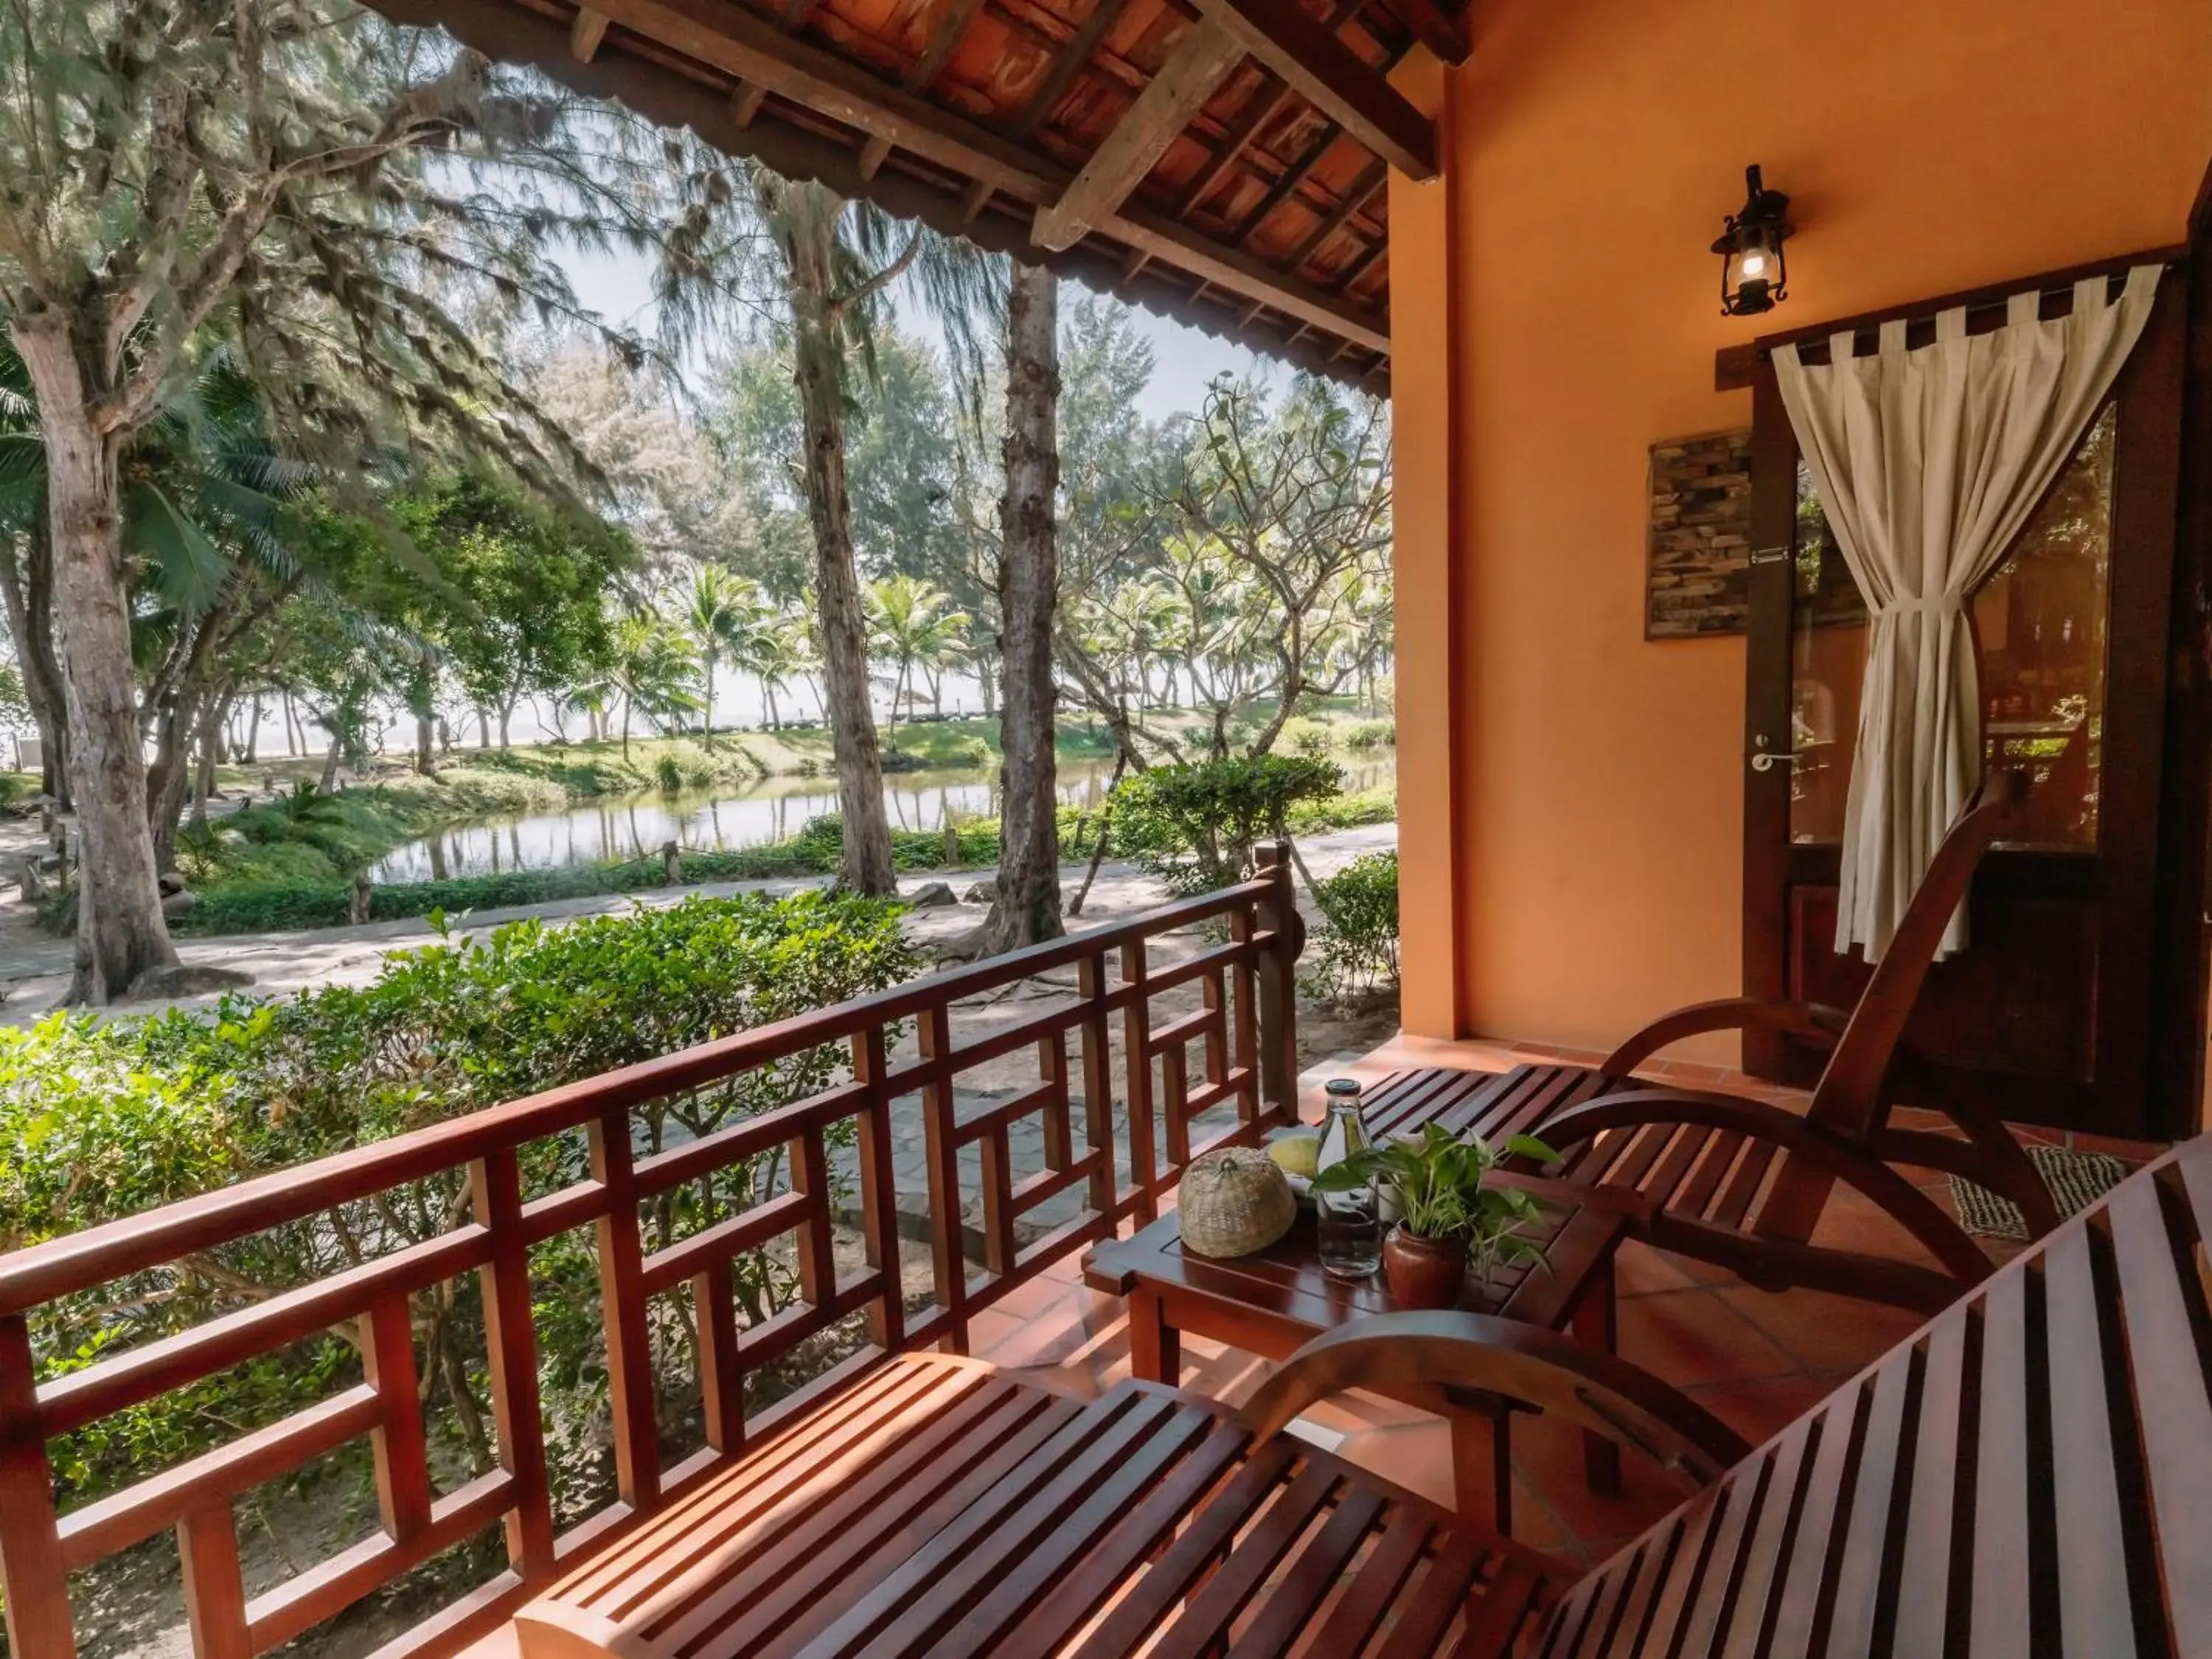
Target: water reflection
726, 819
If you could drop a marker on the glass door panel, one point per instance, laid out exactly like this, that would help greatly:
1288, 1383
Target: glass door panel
2040, 626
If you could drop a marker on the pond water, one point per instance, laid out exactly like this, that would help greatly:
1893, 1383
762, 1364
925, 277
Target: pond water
731, 818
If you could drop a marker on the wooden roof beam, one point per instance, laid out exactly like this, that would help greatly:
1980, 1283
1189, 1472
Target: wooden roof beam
1355, 198
665, 85
951, 24
1201, 60
1435, 28
1307, 54
586, 34
734, 40
1268, 97
1293, 175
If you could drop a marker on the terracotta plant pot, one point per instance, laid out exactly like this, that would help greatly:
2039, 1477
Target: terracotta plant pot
1423, 1272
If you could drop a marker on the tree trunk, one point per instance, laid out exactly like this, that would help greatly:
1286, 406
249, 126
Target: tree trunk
1026, 908
28, 594
426, 759
708, 732
330, 780
767, 694
121, 934
253, 735
808, 216
506, 722
291, 728
484, 727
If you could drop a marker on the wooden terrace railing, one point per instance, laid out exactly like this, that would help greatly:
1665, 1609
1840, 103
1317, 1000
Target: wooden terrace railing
482, 1164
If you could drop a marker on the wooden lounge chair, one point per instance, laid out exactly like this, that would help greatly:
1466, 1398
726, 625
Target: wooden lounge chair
1741, 1182
2029, 1473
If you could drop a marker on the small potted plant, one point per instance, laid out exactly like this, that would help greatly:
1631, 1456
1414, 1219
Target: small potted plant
1449, 1220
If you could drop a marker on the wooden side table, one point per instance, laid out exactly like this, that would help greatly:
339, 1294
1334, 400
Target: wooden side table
1272, 1302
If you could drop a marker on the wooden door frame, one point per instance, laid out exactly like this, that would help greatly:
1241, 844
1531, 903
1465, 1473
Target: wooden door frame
2185, 898
2144, 970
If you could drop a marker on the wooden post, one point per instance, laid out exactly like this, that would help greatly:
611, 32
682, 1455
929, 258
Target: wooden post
671, 863
1278, 982
32, 1576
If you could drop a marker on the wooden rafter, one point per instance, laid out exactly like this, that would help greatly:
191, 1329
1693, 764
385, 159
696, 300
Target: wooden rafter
1067, 62
951, 23
1441, 32
585, 36
1363, 188
1272, 94
1293, 175
1307, 55
741, 45
1201, 61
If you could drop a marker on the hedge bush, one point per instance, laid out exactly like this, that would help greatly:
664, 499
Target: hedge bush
100, 1120
1355, 949
1196, 827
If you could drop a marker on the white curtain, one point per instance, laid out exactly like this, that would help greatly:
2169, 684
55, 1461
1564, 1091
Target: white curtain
1928, 463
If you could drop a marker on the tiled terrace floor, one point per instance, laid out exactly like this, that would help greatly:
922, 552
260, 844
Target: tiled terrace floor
1757, 1360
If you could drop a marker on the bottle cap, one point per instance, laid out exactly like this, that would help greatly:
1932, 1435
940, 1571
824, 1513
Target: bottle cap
1342, 1085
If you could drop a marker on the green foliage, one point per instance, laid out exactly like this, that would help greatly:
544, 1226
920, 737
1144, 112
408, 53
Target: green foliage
1304, 737
1372, 734
1196, 827
1440, 1181
1355, 949
103, 1120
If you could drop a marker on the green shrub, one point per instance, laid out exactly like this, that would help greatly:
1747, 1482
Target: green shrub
102, 1120
1315, 818
1300, 736
1372, 734
1355, 949
1196, 827
668, 773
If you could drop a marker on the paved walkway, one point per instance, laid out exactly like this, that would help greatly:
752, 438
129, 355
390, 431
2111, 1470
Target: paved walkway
34, 967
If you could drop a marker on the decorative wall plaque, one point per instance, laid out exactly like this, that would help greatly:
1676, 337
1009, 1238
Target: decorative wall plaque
1697, 551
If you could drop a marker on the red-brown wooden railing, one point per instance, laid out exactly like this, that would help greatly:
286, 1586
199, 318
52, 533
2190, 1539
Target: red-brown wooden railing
1244, 1026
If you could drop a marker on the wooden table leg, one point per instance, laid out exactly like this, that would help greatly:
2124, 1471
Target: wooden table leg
1155, 1346
1594, 1325
1482, 1466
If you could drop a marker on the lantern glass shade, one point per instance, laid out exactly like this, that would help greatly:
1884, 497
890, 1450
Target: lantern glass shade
1753, 275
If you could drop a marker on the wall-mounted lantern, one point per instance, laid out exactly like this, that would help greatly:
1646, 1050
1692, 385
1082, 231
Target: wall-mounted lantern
1752, 276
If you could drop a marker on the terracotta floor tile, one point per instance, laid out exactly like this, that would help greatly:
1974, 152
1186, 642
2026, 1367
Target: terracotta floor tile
1823, 1332
1547, 1456
1762, 1408
1416, 1456
1689, 1337
1639, 1270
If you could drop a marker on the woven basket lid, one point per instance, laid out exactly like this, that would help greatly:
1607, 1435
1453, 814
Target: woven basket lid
1233, 1202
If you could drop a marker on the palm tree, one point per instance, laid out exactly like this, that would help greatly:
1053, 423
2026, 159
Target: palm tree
725, 615
912, 623
654, 666
775, 654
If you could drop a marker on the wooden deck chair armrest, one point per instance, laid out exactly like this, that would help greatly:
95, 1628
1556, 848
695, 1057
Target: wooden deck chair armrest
1905, 1204
1808, 1022
1592, 1389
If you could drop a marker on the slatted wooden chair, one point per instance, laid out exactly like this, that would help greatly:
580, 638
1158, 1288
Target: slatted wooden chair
939, 1506
2030, 1472
1741, 1182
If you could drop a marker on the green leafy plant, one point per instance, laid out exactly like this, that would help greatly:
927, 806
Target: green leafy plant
1372, 734
1197, 826
1443, 1188
1355, 949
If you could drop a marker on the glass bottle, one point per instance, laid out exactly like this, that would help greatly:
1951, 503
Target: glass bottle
1350, 1223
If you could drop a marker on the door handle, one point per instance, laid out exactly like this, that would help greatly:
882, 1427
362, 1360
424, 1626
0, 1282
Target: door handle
1766, 759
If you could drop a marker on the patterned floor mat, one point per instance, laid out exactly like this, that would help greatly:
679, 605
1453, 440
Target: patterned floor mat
2075, 1179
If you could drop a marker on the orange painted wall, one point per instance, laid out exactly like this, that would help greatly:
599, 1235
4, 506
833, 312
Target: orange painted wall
1582, 872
